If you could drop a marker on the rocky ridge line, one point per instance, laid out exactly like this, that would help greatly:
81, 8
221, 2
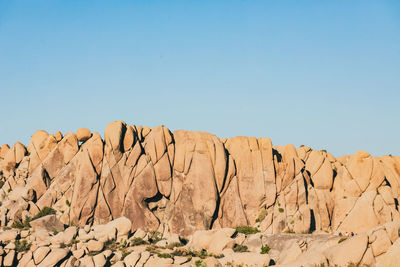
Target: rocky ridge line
186, 181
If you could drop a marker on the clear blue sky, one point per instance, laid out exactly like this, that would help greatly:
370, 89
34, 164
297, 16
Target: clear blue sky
320, 73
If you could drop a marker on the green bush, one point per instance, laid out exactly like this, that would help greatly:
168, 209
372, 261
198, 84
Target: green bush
22, 225
17, 224
154, 237
44, 212
1, 184
247, 230
262, 215
281, 210
342, 239
137, 241
22, 245
240, 248
164, 255
265, 249
200, 263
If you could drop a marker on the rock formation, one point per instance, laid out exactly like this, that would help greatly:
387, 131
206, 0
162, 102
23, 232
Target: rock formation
182, 182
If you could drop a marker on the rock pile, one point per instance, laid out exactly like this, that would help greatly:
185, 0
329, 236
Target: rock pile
191, 181
39, 243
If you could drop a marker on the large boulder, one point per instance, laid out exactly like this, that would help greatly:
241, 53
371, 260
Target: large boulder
83, 134
392, 256
48, 222
214, 241
348, 252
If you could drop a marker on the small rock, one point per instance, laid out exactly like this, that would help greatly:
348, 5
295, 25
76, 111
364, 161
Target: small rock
54, 257
118, 264
83, 134
9, 259
132, 259
78, 253
40, 254
95, 246
8, 235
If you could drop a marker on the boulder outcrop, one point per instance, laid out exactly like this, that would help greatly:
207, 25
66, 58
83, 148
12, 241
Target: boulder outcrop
181, 182
187, 181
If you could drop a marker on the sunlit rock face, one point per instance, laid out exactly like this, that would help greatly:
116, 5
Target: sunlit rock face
187, 181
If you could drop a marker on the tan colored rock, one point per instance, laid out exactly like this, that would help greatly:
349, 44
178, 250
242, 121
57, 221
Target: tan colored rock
119, 264
9, 259
214, 241
132, 259
13, 157
40, 253
65, 237
8, 235
381, 243
392, 229
360, 167
323, 178
95, 246
49, 222
156, 261
83, 134
58, 135
3, 150
362, 215
314, 162
392, 256
26, 258
87, 261
348, 251
248, 159
40, 146
246, 259
99, 260
123, 226
79, 253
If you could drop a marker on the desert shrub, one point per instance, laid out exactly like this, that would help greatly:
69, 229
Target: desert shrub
247, 230
17, 224
154, 237
240, 248
22, 225
68, 203
281, 210
173, 245
164, 255
124, 254
265, 249
200, 254
262, 215
123, 243
152, 249
22, 245
137, 241
342, 239
44, 212
200, 263
76, 241
1, 184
